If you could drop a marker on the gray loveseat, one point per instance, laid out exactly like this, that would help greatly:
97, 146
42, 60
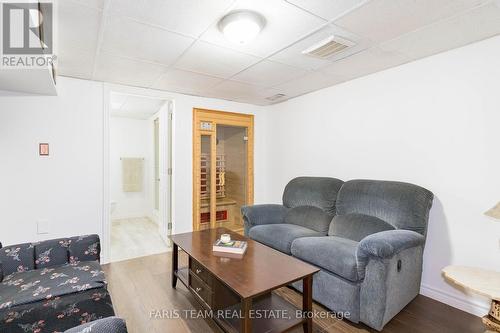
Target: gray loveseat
367, 237
105, 325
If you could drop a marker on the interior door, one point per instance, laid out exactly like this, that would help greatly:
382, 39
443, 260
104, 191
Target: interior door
218, 192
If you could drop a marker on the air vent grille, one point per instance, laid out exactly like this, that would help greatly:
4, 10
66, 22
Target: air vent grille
328, 47
275, 97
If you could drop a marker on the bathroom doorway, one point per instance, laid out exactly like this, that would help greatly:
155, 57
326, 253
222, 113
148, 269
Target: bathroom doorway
139, 176
222, 168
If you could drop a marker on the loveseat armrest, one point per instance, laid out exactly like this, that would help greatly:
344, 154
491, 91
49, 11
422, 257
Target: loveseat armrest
390, 266
105, 325
262, 214
386, 244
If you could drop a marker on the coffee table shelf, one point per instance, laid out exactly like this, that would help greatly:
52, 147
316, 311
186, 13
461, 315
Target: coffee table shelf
283, 316
183, 275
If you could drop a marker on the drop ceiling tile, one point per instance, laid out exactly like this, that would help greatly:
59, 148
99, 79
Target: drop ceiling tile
99, 4
128, 8
129, 38
477, 24
78, 26
285, 24
123, 36
185, 82
310, 82
382, 20
213, 60
131, 72
253, 100
327, 9
293, 55
234, 90
268, 73
187, 17
75, 63
364, 63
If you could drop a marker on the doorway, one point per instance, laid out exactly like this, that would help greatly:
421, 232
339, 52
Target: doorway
139, 176
222, 168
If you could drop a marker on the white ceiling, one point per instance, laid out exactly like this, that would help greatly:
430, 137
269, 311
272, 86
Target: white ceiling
175, 45
137, 107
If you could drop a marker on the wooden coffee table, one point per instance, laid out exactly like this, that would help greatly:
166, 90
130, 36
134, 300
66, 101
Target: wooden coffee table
238, 291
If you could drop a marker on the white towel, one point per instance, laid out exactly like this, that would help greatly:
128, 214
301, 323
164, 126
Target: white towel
132, 174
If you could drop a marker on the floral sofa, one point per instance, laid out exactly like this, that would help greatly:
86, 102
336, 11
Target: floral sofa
52, 286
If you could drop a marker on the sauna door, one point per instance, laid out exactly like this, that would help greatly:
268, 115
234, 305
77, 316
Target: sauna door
222, 168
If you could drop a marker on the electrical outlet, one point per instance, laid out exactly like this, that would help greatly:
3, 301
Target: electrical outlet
42, 227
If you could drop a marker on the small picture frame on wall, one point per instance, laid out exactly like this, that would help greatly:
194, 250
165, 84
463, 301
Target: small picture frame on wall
43, 149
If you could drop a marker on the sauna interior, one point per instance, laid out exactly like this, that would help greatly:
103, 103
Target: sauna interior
231, 182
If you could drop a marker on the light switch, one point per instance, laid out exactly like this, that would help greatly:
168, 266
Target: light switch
42, 227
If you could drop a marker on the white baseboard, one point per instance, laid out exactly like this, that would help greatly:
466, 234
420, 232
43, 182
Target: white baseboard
476, 308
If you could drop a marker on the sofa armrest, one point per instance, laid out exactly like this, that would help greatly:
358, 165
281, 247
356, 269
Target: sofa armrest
390, 266
262, 214
105, 325
386, 244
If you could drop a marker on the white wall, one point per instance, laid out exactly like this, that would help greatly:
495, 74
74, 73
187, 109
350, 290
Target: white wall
130, 137
433, 122
65, 188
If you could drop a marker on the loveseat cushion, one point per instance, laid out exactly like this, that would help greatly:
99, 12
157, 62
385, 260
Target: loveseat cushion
357, 226
35, 285
319, 192
334, 254
309, 217
280, 236
17, 258
405, 206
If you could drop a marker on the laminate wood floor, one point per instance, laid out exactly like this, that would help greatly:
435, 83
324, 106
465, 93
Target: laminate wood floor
141, 293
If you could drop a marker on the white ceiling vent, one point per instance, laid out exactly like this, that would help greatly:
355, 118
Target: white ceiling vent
328, 47
274, 98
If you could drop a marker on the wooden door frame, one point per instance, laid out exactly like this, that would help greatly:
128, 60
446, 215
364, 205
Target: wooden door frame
219, 118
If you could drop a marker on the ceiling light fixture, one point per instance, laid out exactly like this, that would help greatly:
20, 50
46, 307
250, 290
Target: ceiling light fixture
242, 26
